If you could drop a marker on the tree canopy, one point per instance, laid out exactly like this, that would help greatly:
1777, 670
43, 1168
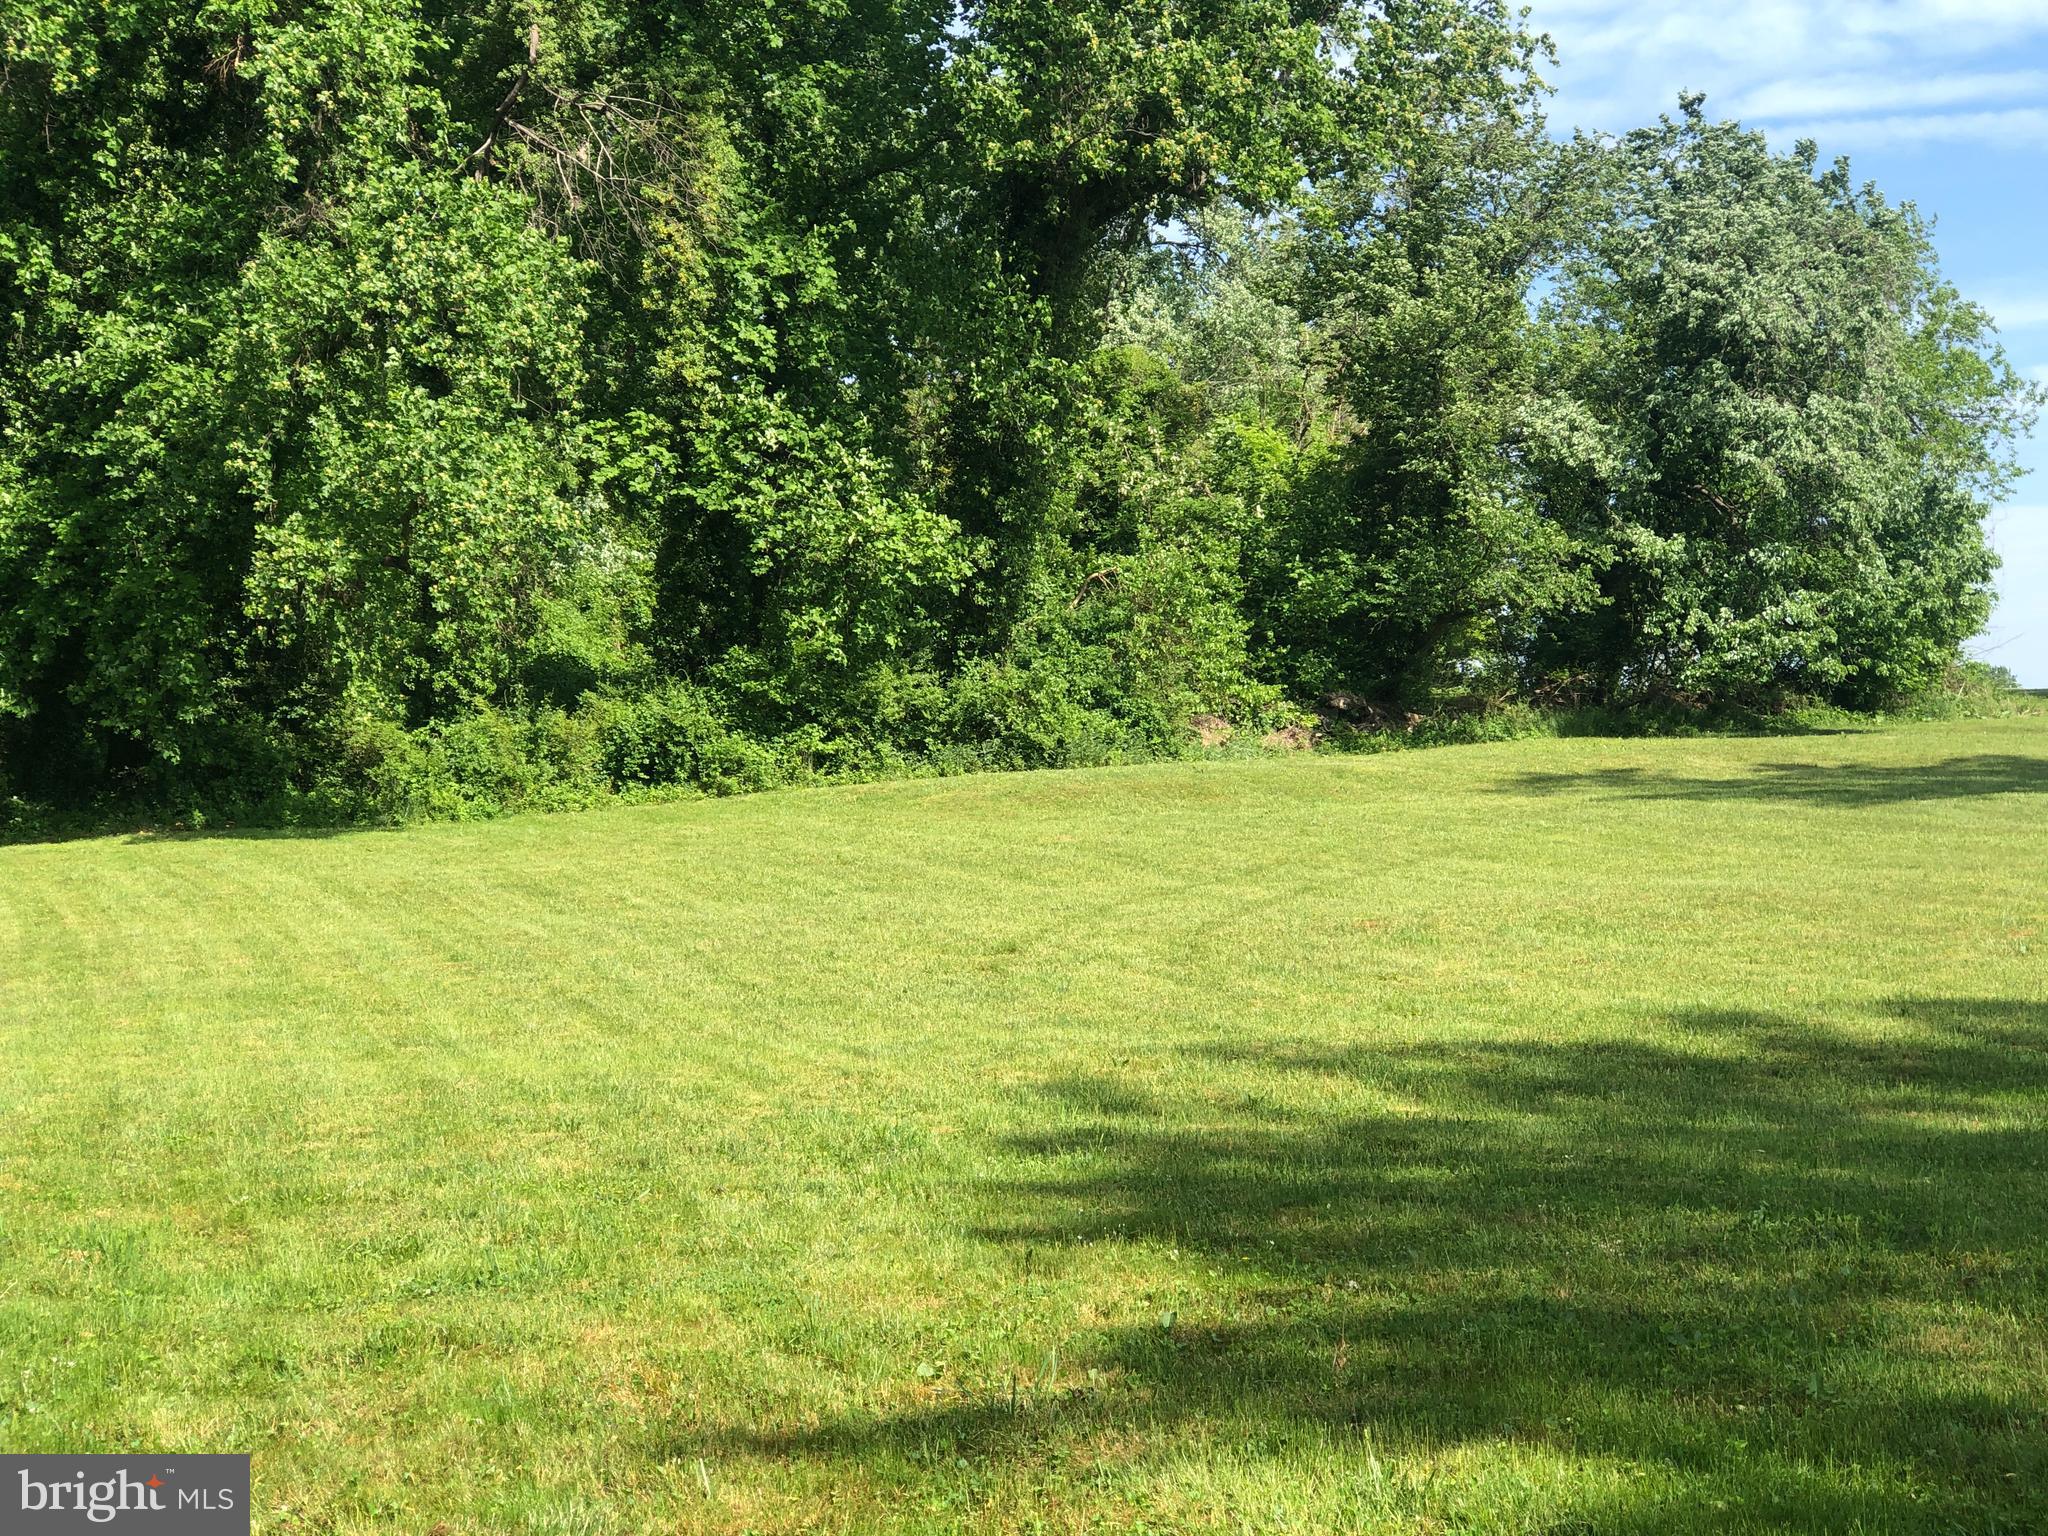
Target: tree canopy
515, 393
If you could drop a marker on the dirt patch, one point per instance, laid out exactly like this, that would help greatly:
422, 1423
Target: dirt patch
1295, 738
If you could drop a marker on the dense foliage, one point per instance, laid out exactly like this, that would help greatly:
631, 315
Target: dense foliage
448, 403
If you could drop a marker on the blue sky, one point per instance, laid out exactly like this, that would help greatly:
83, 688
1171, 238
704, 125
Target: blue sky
1943, 103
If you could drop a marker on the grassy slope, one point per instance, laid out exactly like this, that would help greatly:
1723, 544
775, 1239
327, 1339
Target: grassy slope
1627, 1136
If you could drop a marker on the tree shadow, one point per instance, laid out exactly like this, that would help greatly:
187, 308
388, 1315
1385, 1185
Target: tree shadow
131, 835
1796, 1269
1848, 784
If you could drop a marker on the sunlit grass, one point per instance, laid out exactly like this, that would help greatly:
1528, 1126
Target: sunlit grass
1580, 1135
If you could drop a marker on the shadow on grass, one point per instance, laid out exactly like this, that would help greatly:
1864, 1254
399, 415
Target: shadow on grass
1850, 785
1796, 1270
137, 835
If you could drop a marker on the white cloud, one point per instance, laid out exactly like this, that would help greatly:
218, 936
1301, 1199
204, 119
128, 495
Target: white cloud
2023, 128
1864, 73
1808, 37
2018, 312
1854, 95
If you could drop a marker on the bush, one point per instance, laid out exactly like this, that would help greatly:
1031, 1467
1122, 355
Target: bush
673, 736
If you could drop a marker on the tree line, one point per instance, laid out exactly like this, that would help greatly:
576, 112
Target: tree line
465, 402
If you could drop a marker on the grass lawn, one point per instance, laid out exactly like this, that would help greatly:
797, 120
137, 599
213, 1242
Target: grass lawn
1560, 1136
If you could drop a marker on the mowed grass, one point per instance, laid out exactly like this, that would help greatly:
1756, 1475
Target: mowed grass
1559, 1136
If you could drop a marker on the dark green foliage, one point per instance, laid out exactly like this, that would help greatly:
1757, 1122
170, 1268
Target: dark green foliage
427, 406
1414, 559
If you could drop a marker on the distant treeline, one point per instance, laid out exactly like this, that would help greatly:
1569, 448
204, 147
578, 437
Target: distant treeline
472, 400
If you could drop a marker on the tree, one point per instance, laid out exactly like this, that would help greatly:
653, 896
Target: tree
1413, 557
291, 412
1773, 430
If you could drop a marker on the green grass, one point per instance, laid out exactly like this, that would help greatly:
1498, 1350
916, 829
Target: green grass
1557, 1136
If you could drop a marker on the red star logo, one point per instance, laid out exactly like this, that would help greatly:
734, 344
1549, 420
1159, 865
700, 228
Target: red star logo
155, 1481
